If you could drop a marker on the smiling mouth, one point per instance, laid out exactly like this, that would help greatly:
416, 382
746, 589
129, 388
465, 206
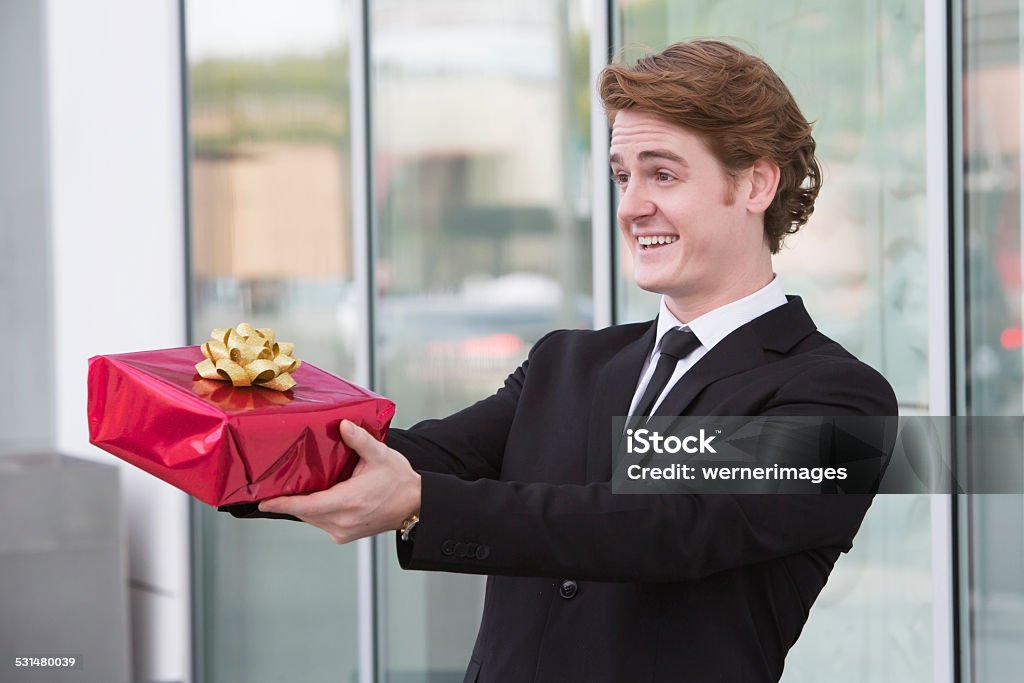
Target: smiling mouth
655, 241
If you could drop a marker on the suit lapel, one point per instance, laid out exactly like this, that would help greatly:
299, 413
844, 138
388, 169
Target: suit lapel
779, 330
735, 354
615, 385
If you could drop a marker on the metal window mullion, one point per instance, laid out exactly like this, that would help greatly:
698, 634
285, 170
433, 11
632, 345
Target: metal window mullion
940, 146
196, 667
602, 218
362, 269
962, 643
960, 345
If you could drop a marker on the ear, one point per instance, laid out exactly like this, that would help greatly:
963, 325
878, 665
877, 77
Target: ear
764, 181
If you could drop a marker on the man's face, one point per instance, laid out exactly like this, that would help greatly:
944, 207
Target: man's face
687, 224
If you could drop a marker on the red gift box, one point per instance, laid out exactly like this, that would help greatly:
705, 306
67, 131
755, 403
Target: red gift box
227, 445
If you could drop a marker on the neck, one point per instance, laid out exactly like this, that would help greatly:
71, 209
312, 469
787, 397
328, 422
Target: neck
687, 308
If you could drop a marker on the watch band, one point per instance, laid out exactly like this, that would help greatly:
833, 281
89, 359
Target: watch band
408, 529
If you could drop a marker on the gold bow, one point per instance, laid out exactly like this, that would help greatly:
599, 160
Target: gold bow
247, 356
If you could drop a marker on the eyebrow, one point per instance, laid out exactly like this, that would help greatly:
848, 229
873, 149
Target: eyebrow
652, 154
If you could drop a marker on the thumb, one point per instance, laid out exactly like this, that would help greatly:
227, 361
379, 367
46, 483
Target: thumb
359, 440
280, 504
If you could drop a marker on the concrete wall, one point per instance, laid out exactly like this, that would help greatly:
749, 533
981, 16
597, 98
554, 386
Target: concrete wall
26, 418
113, 90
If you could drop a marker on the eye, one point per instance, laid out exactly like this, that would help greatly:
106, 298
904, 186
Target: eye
664, 176
620, 179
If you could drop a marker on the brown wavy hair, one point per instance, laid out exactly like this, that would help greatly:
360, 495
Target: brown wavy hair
741, 109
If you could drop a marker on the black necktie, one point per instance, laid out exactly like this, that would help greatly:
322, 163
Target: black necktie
677, 343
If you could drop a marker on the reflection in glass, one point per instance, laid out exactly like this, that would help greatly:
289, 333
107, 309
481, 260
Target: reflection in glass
857, 72
271, 244
993, 525
271, 226
480, 126
859, 263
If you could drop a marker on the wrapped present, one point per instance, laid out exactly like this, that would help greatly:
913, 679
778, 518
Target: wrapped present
229, 446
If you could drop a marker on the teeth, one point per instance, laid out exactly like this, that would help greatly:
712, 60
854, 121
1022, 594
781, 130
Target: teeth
656, 239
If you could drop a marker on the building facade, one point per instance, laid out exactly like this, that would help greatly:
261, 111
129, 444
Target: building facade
416, 191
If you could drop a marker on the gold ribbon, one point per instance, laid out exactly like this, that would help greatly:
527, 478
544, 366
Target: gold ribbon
249, 356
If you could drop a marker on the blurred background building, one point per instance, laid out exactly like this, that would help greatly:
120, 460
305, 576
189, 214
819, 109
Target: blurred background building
414, 191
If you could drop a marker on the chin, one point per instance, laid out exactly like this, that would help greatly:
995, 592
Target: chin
652, 285
656, 282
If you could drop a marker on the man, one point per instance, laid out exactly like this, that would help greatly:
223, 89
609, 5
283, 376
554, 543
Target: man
715, 165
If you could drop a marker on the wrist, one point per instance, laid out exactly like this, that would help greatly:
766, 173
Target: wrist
416, 494
411, 507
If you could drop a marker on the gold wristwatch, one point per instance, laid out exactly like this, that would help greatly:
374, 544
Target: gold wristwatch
408, 529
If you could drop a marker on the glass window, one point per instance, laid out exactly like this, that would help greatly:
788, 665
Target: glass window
857, 71
271, 244
860, 262
992, 256
480, 132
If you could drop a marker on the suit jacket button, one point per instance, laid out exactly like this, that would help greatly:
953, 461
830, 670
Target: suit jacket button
460, 550
568, 589
448, 547
482, 551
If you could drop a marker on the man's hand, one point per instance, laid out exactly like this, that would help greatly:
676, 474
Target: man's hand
382, 493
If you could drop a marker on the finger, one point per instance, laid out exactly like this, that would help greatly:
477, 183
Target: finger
298, 506
281, 504
360, 440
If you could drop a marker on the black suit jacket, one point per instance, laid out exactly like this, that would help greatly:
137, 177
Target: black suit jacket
590, 586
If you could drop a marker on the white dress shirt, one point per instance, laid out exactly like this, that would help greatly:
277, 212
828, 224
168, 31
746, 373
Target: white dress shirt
710, 328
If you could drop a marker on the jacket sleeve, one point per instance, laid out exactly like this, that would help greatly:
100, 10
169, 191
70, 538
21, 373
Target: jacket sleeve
473, 523
468, 444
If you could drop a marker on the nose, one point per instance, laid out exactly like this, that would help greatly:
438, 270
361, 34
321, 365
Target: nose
634, 205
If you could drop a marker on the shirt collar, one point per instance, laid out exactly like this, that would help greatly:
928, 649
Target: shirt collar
717, 324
